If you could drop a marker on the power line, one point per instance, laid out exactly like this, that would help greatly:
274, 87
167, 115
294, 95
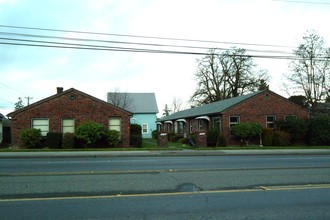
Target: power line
141, 36
103, 47
303, 2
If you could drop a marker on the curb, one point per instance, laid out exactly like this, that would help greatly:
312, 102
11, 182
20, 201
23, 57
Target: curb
94, 154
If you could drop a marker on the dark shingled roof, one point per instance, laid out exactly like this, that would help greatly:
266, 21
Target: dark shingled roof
208, 109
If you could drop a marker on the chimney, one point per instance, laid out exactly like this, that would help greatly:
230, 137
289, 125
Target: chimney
59, 90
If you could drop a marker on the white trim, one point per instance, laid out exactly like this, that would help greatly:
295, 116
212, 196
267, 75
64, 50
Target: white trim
203, 117
158, 123
181, 120
169, 122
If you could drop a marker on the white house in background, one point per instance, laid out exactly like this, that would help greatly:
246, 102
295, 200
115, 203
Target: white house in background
144, 109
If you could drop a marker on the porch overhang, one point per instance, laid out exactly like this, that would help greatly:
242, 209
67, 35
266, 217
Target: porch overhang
204, 117
181, 120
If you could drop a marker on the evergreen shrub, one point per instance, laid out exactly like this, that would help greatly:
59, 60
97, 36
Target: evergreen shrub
136, 135
53, 140
267, 137
31, 137
281, 138
68, 141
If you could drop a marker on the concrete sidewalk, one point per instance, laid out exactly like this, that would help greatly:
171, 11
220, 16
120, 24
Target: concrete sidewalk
143, 153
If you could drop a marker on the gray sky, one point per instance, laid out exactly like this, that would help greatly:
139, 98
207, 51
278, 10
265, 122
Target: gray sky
30, 71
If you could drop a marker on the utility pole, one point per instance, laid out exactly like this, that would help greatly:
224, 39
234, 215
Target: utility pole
28, 100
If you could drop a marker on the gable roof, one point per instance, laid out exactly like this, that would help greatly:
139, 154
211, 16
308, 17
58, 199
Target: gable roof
208, 109
65, 93
141, 102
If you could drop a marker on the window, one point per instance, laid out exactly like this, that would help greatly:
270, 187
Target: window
216, 123
233, 120
190, 126
68, 125
290, 117
42, 124
270, 121
144, 128
115, 124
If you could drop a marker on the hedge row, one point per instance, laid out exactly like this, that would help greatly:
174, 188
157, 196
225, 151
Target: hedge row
88, 134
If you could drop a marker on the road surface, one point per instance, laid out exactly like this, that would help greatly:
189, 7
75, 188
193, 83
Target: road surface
198, 187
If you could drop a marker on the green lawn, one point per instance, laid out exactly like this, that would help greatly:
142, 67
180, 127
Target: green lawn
151, 144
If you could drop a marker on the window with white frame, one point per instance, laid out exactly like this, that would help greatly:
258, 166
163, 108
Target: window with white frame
233, 120
115, 124
42, 124
144, 128
68, 125
270, 121
290, 117
190, 126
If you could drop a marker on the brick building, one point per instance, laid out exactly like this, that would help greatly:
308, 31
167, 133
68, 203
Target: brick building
65, 111
264, 107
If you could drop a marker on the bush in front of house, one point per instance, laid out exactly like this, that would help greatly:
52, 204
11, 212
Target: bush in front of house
90, 133
53, 140
319, 131
136, 135
31, 137
212, 137
222, 141
154, 134
281, 138
247, 130
296, 128
113, 138
68, 141
267, 137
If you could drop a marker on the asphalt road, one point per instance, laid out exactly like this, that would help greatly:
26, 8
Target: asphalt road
209, 187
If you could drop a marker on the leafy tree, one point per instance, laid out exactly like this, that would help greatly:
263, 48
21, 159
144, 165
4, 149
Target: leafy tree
19, 104
247, 130
225, 75
310, 71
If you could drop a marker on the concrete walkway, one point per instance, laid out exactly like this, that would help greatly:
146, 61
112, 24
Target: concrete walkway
144, 153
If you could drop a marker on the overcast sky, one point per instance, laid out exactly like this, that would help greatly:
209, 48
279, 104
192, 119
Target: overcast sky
30, 71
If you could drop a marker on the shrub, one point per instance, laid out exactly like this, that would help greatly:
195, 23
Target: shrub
267, 137
90, 133
212, 137
222, 141
136, 135
113, 138
281, 138
319, 131
31, 137
296, 128
154, 134
68, 141
53, 140
247, 130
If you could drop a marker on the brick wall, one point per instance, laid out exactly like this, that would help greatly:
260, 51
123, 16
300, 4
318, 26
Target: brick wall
258, 107
72, 104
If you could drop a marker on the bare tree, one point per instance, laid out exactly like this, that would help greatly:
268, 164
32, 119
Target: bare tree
176, 104
224, 75
310, 72
120, 99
